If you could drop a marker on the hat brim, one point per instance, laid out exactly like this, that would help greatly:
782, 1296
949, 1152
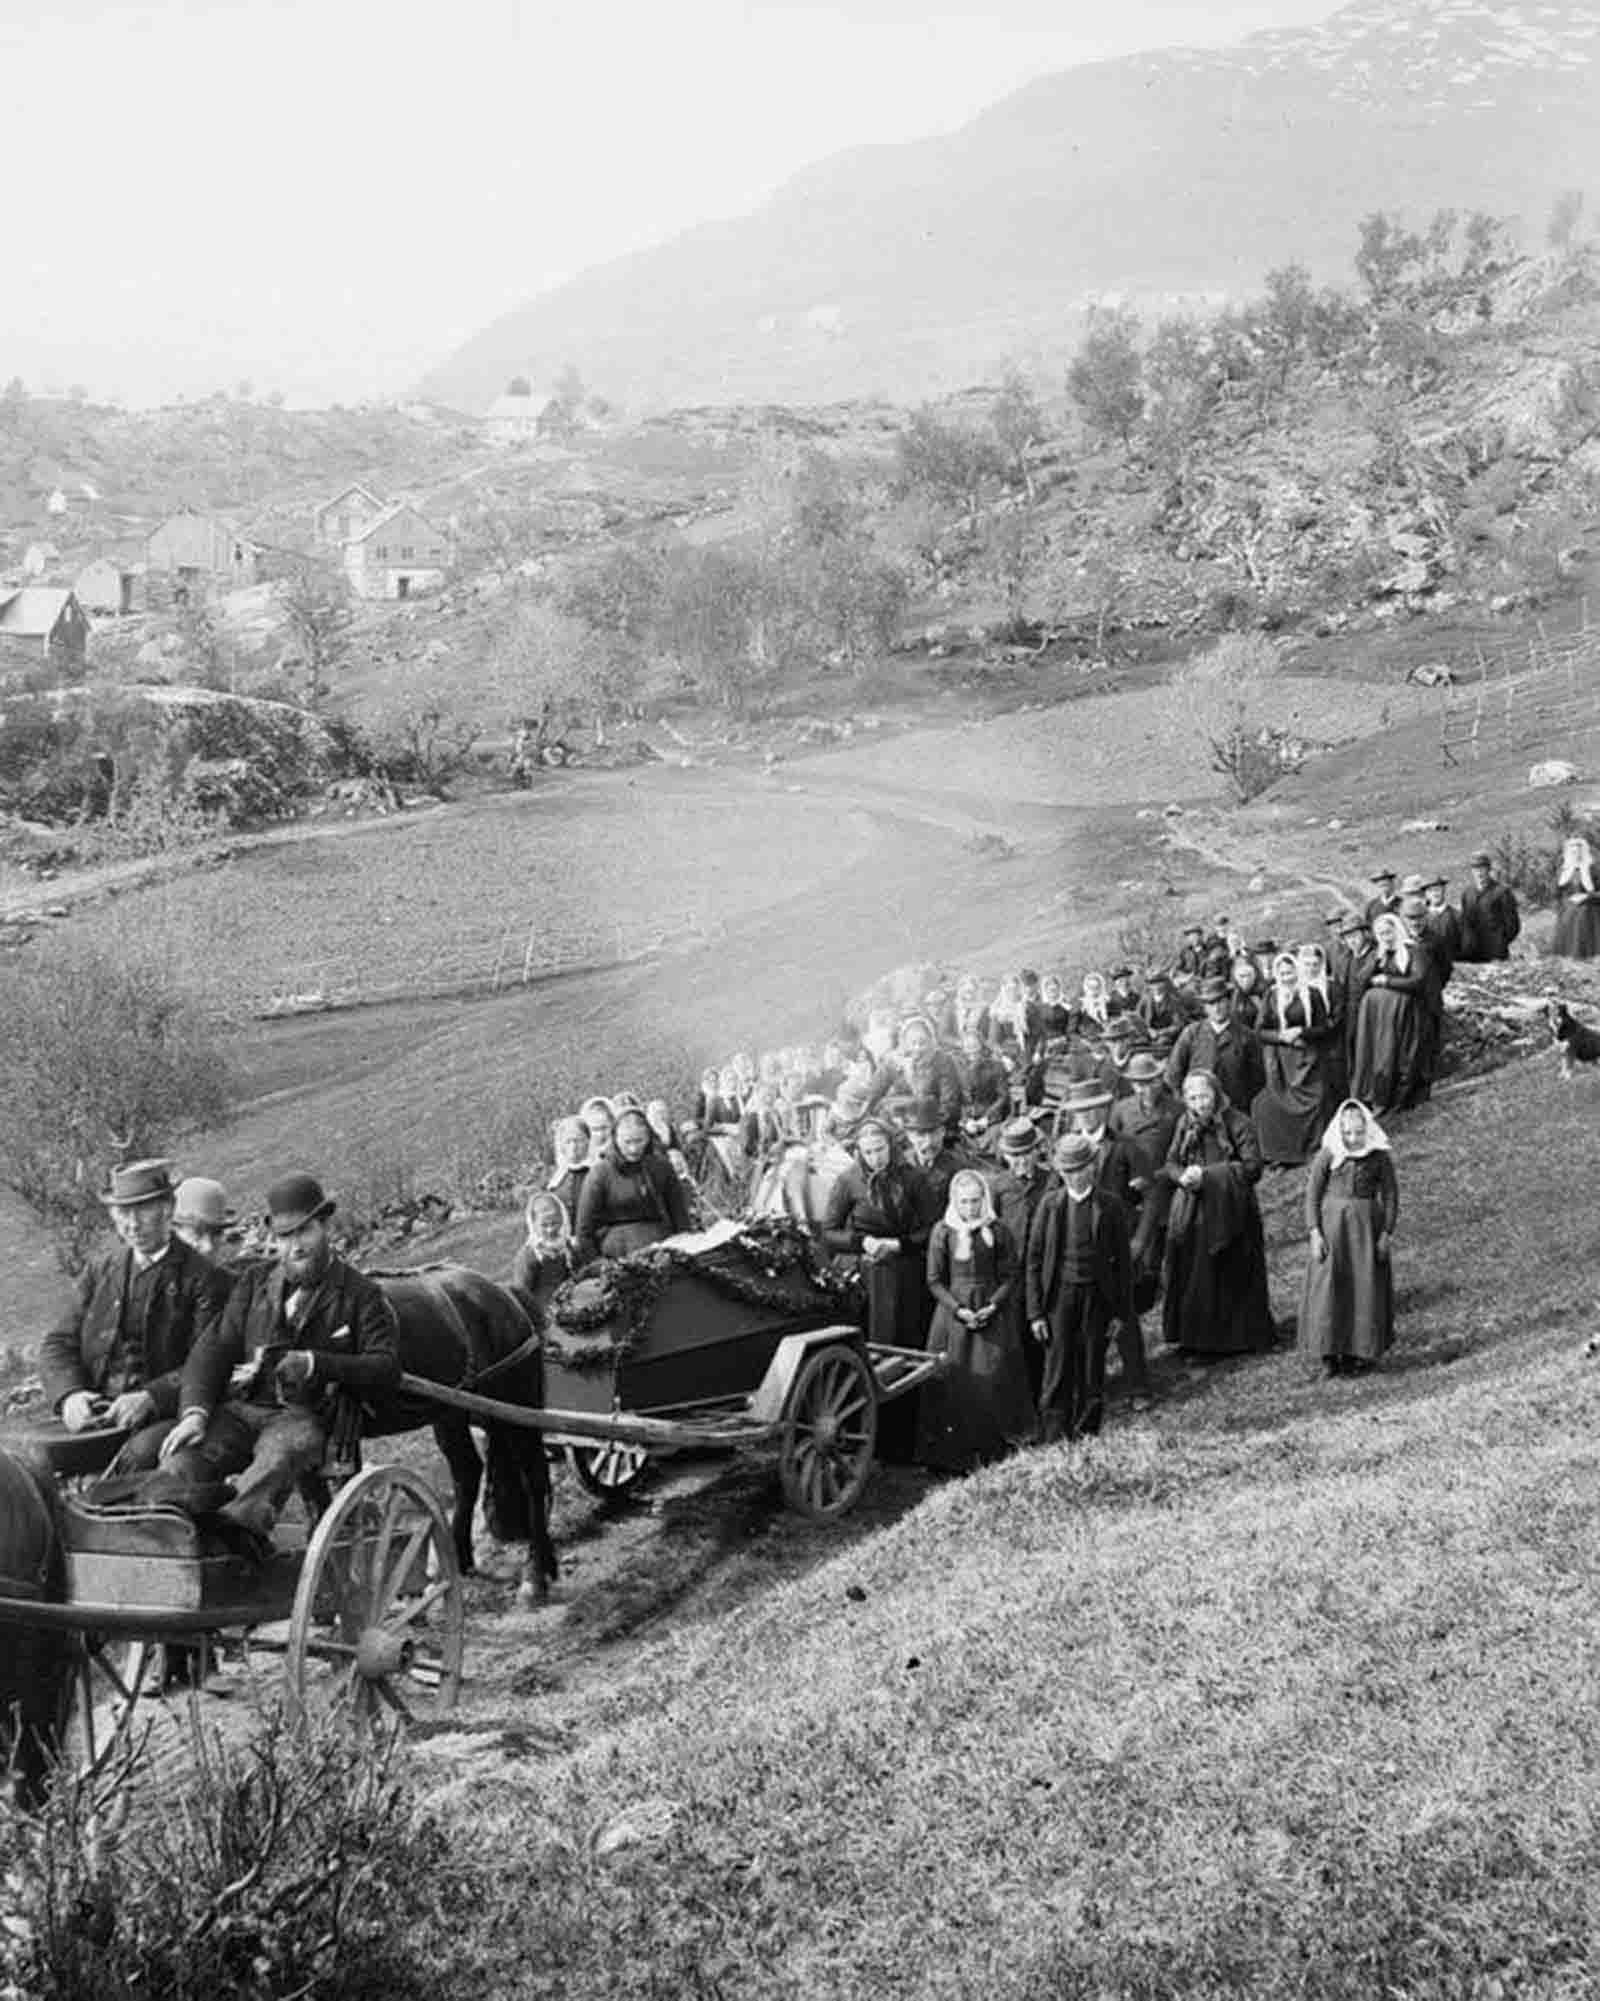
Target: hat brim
223, 1222
136, 1201
285, 1226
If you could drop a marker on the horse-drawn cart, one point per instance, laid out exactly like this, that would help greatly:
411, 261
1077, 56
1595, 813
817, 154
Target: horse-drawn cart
361, 1615
737, 1340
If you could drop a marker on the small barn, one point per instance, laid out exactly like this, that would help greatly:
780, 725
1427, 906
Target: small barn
351, 509
399, 555
192, 552
106, 587
42, 624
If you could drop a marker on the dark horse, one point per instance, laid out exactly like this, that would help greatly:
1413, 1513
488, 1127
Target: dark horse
464, 1331
35, 1662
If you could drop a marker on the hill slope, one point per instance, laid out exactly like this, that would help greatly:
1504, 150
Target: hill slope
1278, 1689
909, 269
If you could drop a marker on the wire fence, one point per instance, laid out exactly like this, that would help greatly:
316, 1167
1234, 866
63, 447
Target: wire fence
1539, 694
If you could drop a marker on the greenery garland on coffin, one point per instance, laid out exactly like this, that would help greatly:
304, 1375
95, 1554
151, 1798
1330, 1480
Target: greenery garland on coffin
597, 1317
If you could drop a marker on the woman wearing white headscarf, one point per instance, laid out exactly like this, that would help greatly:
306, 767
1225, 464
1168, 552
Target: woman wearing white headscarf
1577, 933
1352, 1204
1390, 1069
1296, 1032
982, 1405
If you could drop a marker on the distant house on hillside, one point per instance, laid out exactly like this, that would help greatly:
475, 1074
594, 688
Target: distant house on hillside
349, 511
106, 586
41, 623
399, 555
517, 418
197, 552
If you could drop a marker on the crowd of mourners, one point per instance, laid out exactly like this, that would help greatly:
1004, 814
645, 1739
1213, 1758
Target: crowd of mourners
1019, 1175
1026, 1171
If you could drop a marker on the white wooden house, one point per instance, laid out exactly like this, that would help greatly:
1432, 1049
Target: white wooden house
193, 552
401, 554
106, 586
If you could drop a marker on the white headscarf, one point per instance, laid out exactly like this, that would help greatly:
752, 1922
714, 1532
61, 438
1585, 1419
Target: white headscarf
960, 1229
1092, 1000
1389, 924
1373, 1140
1577, 866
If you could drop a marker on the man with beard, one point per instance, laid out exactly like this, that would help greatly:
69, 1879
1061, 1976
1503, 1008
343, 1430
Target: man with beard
260, 1389
1079, 1283
930, 1156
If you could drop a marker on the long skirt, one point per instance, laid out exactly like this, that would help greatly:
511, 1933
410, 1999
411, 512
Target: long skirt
1392, 1042
1347, 1304
1073, 1395
1215, 1303
982, 1405
1290, 1114
897, 1313
1577, 933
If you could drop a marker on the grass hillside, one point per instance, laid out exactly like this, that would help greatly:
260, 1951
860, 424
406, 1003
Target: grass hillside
1283, 1688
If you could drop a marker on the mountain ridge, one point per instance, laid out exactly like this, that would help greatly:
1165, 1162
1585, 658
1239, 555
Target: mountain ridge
1175, 177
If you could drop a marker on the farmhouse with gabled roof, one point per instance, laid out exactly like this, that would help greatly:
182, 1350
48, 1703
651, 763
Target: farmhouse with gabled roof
350, 510
400, 554
40, 623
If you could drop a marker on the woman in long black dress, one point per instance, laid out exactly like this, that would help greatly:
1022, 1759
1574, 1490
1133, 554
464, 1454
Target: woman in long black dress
876, 1220
1296, 1033
1577, 933
982, 1406
1214, 1279
1389, 1070
1352, 1205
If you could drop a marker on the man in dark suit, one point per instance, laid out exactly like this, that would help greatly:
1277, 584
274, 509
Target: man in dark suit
116, 1355
1221, 1044
1019, 1188
1079, 1282
1490, 919
259, 1393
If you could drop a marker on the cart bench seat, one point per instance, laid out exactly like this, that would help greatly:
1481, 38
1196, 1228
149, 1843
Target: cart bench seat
160, 1559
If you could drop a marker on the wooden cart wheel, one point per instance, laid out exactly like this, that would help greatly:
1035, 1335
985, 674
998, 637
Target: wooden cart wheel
376, 1630
608, 1469
830, 1427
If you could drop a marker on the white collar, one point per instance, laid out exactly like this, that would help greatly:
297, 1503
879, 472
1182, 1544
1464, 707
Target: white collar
143, 1263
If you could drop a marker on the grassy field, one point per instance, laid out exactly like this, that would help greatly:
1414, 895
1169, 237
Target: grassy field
1283, 1688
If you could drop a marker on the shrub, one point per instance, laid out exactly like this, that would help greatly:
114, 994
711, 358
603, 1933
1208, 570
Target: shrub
103, 1058
1528, 867
283, 1868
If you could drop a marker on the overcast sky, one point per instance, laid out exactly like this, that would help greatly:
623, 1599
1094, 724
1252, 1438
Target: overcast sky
325, 196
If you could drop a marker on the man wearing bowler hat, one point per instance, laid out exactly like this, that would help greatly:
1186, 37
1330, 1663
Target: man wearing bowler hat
1079, 1281
201, 1216
1383, 895
1019, 1187
1086, 1109
928, 1154
1490, 919
116, 1355
259, 1392
1219, 1042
